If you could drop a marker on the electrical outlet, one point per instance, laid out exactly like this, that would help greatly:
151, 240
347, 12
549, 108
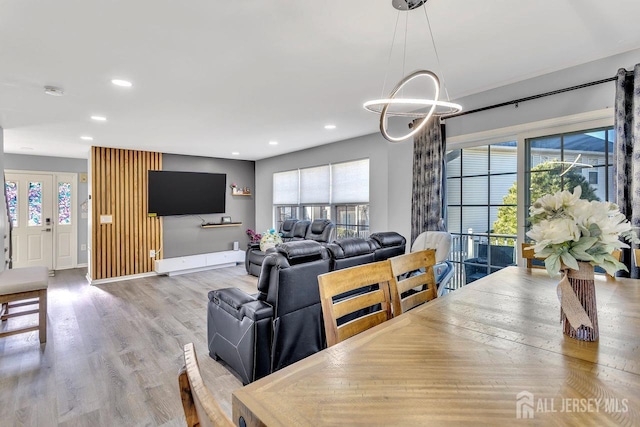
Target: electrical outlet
152, 253
83, 247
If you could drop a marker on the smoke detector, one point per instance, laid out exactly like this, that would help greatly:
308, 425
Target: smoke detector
53, 91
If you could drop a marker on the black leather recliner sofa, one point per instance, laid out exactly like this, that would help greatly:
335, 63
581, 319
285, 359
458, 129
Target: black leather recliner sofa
320, 230
259, 334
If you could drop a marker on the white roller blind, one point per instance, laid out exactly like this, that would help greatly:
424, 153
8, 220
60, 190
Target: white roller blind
350, 182
315, 185
285, 188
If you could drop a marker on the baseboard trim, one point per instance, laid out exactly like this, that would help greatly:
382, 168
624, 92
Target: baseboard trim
120, 278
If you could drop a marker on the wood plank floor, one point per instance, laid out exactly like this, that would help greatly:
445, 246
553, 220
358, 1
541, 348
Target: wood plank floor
113, 352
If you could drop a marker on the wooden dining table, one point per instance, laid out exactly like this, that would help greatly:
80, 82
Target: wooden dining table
490, 353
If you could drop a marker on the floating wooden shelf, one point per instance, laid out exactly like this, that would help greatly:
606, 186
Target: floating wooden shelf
236, 192
225, 224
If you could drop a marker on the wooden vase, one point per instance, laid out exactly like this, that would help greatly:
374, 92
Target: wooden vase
583, 284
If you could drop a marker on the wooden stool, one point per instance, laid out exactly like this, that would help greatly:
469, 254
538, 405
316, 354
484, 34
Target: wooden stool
20, 284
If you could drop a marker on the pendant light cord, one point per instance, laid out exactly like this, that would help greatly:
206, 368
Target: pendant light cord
393, 42
435, 50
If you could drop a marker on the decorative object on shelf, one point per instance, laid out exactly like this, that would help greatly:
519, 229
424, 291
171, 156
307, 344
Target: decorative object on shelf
573, 235
237, 191
269, 239
225, 220
413, 107
255, 237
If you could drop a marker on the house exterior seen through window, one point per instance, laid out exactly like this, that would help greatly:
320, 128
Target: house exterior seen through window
482, 192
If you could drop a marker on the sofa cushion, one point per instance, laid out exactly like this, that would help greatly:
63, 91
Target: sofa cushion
296, 250
349, 247
388, 238
300, 229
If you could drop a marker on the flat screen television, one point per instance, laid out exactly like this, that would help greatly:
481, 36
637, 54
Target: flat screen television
186, 193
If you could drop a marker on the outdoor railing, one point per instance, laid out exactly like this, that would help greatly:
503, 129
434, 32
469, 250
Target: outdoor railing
466, 248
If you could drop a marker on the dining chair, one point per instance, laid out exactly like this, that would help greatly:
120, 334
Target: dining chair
200, 407
413, 282
362, 293
528, 254
636, 253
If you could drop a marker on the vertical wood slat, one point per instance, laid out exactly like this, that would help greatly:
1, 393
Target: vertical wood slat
94, 239
119, 188
103, 235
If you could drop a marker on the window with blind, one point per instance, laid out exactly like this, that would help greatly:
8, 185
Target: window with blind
339, 192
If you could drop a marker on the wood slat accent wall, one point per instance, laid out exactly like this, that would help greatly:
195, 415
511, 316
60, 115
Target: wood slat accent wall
119, 189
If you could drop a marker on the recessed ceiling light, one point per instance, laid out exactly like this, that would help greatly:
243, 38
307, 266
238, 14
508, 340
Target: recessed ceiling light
273, 142
123, 83
87, 138
329, 126
99, 118
53, 91
235, 153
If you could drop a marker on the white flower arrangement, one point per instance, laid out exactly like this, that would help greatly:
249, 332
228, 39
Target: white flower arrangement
269, 239
568, 229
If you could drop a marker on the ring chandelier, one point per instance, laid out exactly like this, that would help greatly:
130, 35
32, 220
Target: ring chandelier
382, 106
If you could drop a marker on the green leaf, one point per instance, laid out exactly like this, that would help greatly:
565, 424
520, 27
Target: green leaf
594, 230
569, 261
584, 243
580, 255
552, 262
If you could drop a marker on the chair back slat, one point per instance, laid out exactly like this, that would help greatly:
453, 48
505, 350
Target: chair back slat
413, 280
354, 327
358, 302
367, 298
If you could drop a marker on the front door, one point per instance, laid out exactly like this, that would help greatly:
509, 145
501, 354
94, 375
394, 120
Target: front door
30, 200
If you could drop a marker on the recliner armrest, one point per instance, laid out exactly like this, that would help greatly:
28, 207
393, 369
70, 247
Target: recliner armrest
257, 310
233, 297
240, 304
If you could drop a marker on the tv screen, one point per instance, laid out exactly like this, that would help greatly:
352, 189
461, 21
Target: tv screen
184, 193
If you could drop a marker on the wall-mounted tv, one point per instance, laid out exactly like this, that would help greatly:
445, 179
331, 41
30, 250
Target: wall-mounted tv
186, 193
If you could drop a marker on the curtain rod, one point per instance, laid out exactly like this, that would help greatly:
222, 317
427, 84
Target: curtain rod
529, 98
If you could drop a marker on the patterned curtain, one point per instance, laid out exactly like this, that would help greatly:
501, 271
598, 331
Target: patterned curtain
626, 154
428, 174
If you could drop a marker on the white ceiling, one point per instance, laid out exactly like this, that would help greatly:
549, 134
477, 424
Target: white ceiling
212, 77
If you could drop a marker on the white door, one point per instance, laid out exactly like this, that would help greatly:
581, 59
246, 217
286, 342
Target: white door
30, 199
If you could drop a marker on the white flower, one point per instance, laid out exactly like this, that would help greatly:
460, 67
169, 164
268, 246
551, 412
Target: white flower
555, 231
569, 229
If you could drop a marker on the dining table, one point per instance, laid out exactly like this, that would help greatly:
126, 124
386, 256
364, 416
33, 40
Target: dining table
490, 353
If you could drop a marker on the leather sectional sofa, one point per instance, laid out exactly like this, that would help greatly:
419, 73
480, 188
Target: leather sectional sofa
320, 230
259, 334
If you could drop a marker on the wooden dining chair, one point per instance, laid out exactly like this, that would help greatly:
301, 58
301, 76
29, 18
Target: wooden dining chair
200, 407
413, 282
527, 254
361, 292
636, 254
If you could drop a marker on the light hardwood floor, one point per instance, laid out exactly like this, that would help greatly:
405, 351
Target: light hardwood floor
113, 352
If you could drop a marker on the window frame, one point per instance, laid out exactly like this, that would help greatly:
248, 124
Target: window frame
520, 133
